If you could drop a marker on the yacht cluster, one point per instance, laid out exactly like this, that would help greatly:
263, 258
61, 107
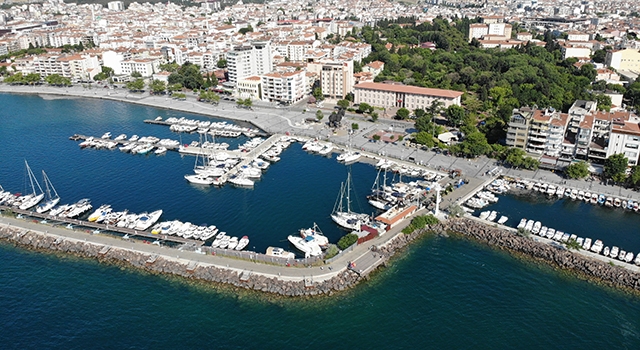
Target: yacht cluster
222, 128
135, 144
581, 195
407, 170
322, 148
200, 232
488, 196
585, 243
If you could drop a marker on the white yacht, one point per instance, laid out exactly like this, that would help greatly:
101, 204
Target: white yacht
587, 244
536, 227
315, 233
522, 224
240, 181
100, 212
306, 245
484, 215
342, 214
199, 179
597, 246
606, 251
629, 257
233, 243
243, 243
32, 199
51, 200
492, 216
543, 231
147, 220
502, 219
614, 252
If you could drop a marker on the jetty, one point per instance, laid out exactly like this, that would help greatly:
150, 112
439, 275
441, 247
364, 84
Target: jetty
100, 227
252, 155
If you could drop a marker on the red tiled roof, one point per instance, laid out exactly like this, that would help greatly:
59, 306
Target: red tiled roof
409, 89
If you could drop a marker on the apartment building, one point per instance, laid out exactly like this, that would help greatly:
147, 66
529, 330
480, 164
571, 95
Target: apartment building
336, 77
286, 87
82, 67
537, 131
245, 61
249, 87
403, 96
145, 66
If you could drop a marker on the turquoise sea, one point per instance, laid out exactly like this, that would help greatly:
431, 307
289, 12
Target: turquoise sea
439, 293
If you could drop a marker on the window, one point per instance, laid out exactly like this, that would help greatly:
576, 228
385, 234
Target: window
631, 145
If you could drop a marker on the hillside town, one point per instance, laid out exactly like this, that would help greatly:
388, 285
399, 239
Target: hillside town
322, 53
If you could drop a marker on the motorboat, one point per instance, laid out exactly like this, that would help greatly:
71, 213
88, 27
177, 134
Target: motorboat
160, 150
587, 244
574, 194
594, 198
617, 202
315, 233
622, 255
536, 227
601, 199
522, 224
243, 243
608, 202
100, 212
543, 231
637, 260
280, 253
306, 245
240, 181
558, 235
492, 216
147, 220
587, 197
198, 179
502, 220
484, 215
614, 252
629, 257
551, 232
224, 242
120, 137
106, 135
529, 225
597, 246
233, 243
606, 251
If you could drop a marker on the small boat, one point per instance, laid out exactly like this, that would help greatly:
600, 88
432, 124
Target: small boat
594, 198
160, 150
605, 252
134, 138
617, 202
601, 199
543, 231
243, 243
565, 237
502, 219
587, 197
560, 192
106, 135
551, 232
614, 252
580, 195
573, 237
587, 244
574, 194
637, 260
280, 253
241, 181
622, 255
629, 257
558, 235
492, 216
233, 243
567, 192
198, 179
522, 223
120, 137
580, 241
536, 227
608, 202
597, 246
529, 225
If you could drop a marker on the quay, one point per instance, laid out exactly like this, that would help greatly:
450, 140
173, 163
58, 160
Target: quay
102, 227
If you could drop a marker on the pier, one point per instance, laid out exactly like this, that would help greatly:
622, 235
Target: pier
252, 155
102, 227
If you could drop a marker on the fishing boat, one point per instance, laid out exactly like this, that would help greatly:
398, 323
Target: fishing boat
32, 199
342, 214
280, 253
50, 200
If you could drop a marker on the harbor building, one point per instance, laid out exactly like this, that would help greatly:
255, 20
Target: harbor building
245, 61
284, 87
403, 96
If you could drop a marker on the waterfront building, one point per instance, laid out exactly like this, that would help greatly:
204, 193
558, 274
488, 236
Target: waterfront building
145, 66
245, 61
336, 77
284, 87
537, 131
625, 137
249, 87
403, 96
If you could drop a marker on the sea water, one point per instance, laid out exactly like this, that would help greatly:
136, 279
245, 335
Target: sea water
438, 293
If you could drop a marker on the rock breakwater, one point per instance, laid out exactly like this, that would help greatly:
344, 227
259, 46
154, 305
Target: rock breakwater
161, 264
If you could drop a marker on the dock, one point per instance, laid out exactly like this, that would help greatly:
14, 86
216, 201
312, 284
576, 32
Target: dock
101, 227
252, 155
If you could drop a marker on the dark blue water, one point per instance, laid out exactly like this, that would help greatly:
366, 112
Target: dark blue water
439, 293
613, 226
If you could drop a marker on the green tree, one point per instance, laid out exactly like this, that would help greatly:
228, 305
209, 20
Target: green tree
32, 78
136, 74
157, 86
317, 94
136, 85
376, 137
374, 117
222, 63
319, 115
474, 144
515, 157
347, 241
402, 113
634, 176
343, 104
599, 56
577, 170
604, 102
174, 87
455, 115
424, 138
365, 108
246, 30
615, 167
355, 126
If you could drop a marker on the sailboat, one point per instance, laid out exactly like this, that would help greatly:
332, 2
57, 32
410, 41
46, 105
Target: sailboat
50, 200
347, 219
31, 200
379, 198
349, 156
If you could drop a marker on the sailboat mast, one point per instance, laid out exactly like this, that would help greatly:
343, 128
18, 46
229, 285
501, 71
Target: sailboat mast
349, 192
46, 184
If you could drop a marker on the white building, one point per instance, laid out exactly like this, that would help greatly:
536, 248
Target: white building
145, 66
625, 139
246, 61
112, 59
115, 5
403, 96
284, 87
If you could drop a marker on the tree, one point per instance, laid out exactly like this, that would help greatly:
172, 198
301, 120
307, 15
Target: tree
174, 87
355, 126
136, 74
157, 86
577, 170
515, 157
136, 85
615, 167
317, 94
347, 241
634, 176
474, 144
365, 108
424, 138
32, 78
402, 113
374, 117
246, 30
603, 102
319, 115
376, 137
599, 56
455, 115
343, 104
222, 63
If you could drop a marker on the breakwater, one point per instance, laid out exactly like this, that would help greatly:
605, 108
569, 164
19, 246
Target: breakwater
162, 264
591, 268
